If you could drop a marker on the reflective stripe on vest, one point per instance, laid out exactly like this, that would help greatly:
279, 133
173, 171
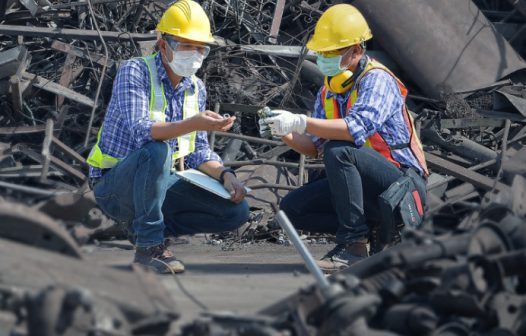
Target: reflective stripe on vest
376, 142
185, 143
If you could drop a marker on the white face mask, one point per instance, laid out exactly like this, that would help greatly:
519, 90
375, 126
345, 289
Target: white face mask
186, 63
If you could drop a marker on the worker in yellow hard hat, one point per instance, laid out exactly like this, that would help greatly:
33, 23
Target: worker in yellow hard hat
361, 128
157, 117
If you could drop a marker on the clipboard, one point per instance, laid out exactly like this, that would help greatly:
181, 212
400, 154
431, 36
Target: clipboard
206, 182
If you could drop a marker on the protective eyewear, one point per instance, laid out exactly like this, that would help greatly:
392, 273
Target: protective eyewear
182, 46
333, 53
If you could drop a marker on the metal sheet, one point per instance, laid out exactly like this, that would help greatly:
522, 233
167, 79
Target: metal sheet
32, 227
138, 293
518, 103
441, 43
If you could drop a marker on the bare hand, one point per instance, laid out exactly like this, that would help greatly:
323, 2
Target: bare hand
235, 187
211, 121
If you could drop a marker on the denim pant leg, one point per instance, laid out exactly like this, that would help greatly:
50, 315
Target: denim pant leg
134, 191
310, 208
189, 209
350, 171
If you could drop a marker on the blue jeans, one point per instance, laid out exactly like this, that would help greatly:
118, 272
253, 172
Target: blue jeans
141, 191
347, 198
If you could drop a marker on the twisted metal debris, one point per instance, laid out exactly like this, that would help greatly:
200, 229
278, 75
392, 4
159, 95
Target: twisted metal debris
58, 60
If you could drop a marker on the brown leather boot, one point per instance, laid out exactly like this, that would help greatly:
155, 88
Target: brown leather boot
159, 259
343, 256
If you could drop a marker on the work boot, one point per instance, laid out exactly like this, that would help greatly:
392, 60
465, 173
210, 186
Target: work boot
343, 256
375, 246
159, 259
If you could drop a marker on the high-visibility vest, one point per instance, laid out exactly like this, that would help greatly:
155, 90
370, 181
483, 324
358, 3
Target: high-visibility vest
375, 141
185, 143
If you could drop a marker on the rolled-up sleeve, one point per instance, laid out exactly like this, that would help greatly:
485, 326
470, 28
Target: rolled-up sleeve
202, 153
132, 91
378, 93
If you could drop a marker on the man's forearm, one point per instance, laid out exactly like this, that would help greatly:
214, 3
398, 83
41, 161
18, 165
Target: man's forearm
301, 143
212, 168
334, 129
168, 130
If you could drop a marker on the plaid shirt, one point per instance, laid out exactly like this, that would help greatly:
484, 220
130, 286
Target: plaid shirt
127, 124
378, 108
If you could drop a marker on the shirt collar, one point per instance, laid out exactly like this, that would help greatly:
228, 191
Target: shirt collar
186, 82
340, 96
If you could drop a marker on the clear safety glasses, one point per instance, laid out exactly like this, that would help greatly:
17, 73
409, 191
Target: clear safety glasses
333, 53
182, 46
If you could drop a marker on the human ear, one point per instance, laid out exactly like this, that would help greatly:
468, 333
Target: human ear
163, 49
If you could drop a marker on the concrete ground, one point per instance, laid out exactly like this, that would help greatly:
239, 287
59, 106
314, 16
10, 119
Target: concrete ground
245, 280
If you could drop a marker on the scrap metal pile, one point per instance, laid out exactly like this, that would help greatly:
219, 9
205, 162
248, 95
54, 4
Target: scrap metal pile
465, 70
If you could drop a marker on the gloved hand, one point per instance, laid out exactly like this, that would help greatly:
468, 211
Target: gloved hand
283, 122
264, 130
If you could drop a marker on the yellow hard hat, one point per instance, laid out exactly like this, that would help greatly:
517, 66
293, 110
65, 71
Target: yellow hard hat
339, 26
186, 19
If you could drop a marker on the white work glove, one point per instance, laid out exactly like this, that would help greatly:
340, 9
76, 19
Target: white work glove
284, 122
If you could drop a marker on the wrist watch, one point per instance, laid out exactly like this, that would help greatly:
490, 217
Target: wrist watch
222, 175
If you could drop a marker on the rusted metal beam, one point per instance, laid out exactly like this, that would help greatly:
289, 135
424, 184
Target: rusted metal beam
22, 130
76, 51
50, 86
227, 107
31, 190
54, 161
46, 153
520, 6
249, 138
273, 163
93, 2
26, 171
470, 123
464, 174
276, 20
11, 59
18, 88
78, 34
451, 178
66, 77
275, 152
69, 151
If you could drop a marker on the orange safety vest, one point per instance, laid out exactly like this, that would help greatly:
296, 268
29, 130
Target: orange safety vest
375, 141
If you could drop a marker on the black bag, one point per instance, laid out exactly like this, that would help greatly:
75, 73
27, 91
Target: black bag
403, 203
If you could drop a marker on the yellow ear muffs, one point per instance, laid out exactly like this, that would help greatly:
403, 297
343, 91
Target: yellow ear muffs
340, 83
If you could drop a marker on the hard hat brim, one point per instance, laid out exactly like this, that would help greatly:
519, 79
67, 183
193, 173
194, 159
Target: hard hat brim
190, 37
319, 46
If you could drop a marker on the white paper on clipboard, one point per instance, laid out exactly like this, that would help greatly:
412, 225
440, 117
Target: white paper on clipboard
206, 182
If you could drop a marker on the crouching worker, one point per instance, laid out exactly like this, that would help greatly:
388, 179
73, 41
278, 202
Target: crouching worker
156, 117
362, 129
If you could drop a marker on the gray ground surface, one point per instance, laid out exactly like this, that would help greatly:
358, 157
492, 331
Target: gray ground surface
244, 280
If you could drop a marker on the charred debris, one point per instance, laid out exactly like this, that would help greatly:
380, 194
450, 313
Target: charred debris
464, 65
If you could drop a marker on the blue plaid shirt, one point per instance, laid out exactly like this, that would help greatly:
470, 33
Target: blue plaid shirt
378, 108
127, 124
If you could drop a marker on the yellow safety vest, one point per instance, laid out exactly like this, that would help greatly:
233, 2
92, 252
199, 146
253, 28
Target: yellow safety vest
185, 143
